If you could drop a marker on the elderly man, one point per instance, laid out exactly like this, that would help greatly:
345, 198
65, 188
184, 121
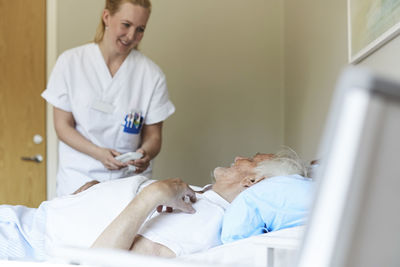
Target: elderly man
120, 214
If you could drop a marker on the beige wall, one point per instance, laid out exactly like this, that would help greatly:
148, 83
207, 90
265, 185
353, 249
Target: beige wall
224, 66
223, 62
228, 65
315, 52
77, 22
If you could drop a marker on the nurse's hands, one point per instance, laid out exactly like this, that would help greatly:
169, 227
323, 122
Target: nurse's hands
141, 164
107, 157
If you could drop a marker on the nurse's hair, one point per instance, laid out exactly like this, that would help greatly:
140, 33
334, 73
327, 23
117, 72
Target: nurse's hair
284, 162
113, 7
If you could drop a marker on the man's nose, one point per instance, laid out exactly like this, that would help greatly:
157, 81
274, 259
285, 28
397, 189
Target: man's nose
239, 158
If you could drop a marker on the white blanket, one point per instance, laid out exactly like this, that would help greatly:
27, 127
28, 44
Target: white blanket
32, 234
21, 233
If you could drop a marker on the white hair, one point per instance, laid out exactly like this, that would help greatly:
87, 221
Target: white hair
284, 162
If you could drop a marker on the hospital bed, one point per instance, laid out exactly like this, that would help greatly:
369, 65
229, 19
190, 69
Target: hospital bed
273, 249
68, 224
349, 197
354, 220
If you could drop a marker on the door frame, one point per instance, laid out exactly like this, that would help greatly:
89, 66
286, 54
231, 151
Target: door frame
51, 136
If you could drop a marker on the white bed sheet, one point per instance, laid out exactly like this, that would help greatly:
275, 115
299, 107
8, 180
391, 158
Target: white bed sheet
277, 248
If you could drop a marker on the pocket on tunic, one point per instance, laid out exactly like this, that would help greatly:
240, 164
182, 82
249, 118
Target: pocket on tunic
129, 132
133, 122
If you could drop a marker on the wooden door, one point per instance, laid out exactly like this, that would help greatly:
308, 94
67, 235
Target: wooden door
22, 110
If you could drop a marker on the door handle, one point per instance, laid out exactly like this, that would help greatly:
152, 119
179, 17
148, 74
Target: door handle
37, 158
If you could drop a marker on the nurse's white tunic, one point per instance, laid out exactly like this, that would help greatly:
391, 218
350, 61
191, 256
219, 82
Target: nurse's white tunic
109, 111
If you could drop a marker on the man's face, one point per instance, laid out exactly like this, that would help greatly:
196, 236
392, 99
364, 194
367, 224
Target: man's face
241, 167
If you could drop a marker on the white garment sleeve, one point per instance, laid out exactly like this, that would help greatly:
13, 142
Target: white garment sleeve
160, 106
57, 87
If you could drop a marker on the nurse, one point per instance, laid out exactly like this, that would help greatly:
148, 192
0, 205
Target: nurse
108, 99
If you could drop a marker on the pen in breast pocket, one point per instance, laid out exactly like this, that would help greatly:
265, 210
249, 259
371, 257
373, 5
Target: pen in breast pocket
128, 120
137, 117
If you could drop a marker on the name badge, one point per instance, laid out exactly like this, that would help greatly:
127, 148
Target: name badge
103, 107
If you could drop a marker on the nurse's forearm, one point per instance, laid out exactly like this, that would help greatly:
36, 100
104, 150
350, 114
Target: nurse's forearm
151, 139
74, 139
64, 123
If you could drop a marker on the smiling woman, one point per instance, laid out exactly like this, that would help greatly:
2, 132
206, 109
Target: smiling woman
123, 32
121, 29
113, 7
108, 99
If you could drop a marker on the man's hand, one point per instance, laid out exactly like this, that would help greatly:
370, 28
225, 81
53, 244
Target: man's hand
174, 194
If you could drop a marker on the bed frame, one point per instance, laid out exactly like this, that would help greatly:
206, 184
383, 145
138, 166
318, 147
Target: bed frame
355, 217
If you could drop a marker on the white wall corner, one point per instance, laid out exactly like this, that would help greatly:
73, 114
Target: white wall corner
51, 140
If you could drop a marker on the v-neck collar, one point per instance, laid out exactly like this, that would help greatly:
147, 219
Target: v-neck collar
106, 70
109, 82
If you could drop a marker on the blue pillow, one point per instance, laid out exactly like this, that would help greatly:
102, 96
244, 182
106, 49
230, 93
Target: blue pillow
272, 204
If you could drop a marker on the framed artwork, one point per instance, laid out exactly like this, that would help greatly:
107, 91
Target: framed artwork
371, 23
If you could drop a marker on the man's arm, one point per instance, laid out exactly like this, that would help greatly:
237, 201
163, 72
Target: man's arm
122, 231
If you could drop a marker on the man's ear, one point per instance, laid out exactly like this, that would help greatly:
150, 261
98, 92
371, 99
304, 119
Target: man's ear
250, 181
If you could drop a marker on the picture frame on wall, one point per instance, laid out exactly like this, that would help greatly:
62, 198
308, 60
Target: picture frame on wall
371, 24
